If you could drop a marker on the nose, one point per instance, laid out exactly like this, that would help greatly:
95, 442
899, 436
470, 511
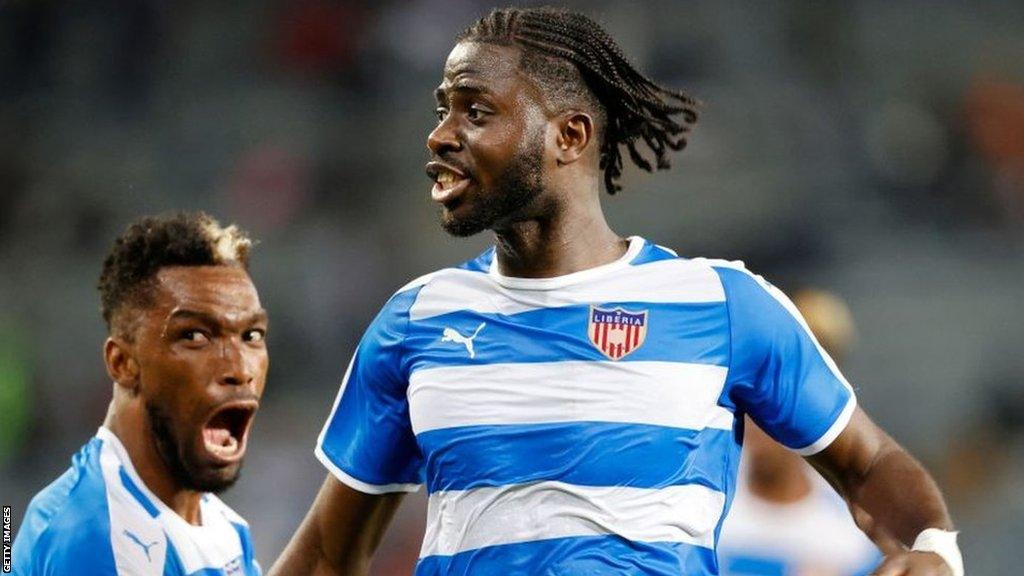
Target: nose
240, 364
443, 138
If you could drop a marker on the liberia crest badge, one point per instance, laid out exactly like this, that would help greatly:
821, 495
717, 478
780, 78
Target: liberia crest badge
616, 332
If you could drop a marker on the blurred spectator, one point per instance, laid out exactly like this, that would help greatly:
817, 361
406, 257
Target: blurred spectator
321, 38
995, 125
785, 519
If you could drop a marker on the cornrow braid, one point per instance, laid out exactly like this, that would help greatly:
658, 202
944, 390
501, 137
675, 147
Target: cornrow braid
630, 106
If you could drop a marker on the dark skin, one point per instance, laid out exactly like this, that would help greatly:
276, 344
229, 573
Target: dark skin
488, 112
196, 351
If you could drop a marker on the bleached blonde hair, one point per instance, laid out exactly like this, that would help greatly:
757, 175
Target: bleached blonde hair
155, 242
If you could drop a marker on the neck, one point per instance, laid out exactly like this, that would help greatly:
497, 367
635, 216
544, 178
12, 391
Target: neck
131, 429
574, 237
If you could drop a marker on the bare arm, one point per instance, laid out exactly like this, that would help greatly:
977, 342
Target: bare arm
339, 534
890, 494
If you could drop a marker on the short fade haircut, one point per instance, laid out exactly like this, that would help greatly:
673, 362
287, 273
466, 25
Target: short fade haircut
155, 242
577, 63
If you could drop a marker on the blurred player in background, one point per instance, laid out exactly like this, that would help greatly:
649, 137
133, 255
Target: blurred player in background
569, 397
785, 520
187, 356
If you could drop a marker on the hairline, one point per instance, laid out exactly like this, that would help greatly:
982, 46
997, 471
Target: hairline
144, 292
553, 103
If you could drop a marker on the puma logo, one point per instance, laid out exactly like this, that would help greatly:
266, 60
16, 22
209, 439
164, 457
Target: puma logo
452, 335
145, 547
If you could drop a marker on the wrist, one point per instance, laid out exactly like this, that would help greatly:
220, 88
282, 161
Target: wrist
943, 543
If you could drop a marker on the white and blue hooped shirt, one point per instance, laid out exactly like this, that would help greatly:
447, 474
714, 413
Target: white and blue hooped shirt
99, 519
584, 424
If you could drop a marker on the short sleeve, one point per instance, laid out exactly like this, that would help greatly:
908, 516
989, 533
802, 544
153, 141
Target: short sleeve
778, 374
367, 442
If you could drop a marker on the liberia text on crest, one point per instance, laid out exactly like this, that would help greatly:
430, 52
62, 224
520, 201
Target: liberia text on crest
616, 332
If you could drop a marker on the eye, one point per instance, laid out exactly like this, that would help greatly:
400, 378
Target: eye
441, 112
476, 112
195, 337
255, 335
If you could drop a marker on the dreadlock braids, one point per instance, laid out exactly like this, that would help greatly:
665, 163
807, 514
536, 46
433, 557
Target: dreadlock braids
575, 59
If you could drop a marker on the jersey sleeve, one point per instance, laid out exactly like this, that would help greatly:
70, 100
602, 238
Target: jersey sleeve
778, 373
367, 442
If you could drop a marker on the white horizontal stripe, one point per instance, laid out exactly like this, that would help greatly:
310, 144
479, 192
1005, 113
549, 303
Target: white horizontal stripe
660, 393
665, 281
463, 520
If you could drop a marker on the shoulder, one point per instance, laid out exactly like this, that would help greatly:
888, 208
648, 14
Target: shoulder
71, 532
740, 284
729, 270
68, 517
76, 544
476, 268
754, 305
698, 279
443, 290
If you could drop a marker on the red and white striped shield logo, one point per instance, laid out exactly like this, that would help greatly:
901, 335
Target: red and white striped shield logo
617, 332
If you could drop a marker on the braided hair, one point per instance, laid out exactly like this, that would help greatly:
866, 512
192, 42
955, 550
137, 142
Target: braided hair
574, 59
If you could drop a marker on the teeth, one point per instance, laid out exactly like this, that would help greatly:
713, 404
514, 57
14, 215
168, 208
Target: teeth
229, 447
220, 441
446, 178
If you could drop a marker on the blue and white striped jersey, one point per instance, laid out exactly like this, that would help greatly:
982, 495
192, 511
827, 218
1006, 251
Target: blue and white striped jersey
99, 519
584, 424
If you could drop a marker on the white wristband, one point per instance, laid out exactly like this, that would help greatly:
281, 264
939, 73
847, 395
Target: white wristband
942, 543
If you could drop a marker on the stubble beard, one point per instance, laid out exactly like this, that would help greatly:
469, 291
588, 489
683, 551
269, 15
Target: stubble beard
514, 191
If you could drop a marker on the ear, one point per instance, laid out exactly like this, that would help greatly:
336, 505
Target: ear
575, 135
122, 366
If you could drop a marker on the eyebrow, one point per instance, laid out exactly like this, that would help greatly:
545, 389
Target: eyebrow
465, 86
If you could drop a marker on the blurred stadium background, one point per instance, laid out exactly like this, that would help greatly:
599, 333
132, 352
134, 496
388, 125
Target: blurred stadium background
871, 148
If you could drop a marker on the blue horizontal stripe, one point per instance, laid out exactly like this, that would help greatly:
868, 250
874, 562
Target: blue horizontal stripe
584, 555
755, 566
677, 332
582, 453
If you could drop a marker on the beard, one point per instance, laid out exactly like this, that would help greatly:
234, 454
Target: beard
514, 190
184, 465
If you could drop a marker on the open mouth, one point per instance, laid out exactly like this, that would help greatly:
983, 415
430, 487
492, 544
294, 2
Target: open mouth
449, 182
225, 433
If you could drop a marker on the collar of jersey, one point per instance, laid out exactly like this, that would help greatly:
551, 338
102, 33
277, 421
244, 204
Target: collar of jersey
110, 438
636, 244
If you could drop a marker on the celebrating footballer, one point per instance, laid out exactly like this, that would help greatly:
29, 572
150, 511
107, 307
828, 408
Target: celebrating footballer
573, 399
